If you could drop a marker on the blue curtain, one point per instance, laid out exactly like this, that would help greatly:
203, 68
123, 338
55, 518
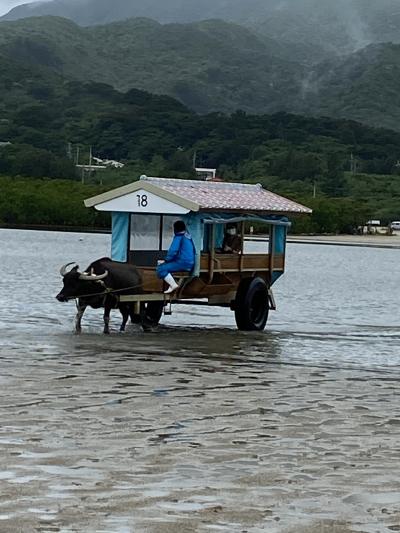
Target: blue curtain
120, 236
194, 225
280, 247
280, 239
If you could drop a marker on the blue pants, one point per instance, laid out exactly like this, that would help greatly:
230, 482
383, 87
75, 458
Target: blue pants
175, 266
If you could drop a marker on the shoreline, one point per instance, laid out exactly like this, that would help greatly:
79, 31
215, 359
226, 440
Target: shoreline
362, 241
64, 229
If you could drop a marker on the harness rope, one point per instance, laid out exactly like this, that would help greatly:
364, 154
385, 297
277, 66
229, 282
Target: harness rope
104, 293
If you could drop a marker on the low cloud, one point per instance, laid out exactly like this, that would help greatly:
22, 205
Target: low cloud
6, 5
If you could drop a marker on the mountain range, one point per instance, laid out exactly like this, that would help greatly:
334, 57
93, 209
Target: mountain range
321, 26
209, 66
304, 56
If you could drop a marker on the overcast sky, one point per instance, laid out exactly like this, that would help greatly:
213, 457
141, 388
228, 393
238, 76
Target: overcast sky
6, 5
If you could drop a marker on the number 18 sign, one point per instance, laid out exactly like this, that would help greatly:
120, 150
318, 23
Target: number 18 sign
142, 201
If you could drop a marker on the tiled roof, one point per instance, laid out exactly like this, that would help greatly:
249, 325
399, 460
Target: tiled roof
210, 195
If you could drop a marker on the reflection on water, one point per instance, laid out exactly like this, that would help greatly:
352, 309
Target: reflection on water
199, 427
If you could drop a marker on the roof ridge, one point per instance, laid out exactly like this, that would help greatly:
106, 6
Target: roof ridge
199, 183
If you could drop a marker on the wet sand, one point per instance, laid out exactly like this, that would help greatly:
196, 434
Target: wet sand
110, 440
198, 427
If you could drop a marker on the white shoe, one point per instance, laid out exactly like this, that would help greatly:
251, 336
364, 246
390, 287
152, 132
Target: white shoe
171, 288
172, 284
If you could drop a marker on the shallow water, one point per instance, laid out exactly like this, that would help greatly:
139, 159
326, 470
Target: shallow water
199, 427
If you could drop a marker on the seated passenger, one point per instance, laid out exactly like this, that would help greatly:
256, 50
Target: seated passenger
232, 242
180, 257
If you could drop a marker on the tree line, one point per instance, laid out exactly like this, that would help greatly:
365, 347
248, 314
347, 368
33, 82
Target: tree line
339, 166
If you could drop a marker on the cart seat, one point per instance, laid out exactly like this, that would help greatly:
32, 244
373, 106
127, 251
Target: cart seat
182, 279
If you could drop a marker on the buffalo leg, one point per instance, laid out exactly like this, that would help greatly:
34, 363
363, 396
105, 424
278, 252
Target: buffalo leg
125, 315
78, 319
107, 310
135, 317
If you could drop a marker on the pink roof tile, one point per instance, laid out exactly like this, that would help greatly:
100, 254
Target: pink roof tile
210, 195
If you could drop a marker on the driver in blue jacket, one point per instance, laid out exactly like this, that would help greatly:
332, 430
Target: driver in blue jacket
180, 257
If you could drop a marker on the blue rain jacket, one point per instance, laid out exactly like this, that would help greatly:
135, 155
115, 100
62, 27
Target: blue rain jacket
181, 255
181, 250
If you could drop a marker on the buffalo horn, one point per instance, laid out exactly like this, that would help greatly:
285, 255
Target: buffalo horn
93, 277
63, 269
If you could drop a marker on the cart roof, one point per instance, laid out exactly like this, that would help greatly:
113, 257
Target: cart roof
194, 195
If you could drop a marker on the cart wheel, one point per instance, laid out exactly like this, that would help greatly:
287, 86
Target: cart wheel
251, 304
151, 314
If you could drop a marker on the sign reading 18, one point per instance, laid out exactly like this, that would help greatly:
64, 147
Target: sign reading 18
142, 200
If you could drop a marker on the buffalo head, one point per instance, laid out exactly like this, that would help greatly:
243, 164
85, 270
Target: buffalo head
79, 284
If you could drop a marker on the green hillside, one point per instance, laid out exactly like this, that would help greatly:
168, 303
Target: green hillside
362, 87
209, 66
47, 113
42, 108
45, 119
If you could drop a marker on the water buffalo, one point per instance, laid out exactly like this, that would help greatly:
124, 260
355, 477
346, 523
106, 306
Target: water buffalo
91, 288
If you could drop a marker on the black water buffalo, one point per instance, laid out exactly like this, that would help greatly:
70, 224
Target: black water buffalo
93, 288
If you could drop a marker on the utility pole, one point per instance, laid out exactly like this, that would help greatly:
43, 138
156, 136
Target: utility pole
194, 158
90, 162
353, 164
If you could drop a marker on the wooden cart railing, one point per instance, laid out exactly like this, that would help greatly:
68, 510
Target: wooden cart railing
227, 271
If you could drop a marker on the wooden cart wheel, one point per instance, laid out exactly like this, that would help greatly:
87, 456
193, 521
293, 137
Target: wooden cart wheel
251, 304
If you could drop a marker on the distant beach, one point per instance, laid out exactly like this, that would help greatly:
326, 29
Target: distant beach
368, 241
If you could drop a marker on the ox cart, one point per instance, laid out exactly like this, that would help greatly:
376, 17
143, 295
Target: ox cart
143, 214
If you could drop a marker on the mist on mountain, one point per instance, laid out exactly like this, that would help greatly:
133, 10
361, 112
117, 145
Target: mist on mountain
326, 26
